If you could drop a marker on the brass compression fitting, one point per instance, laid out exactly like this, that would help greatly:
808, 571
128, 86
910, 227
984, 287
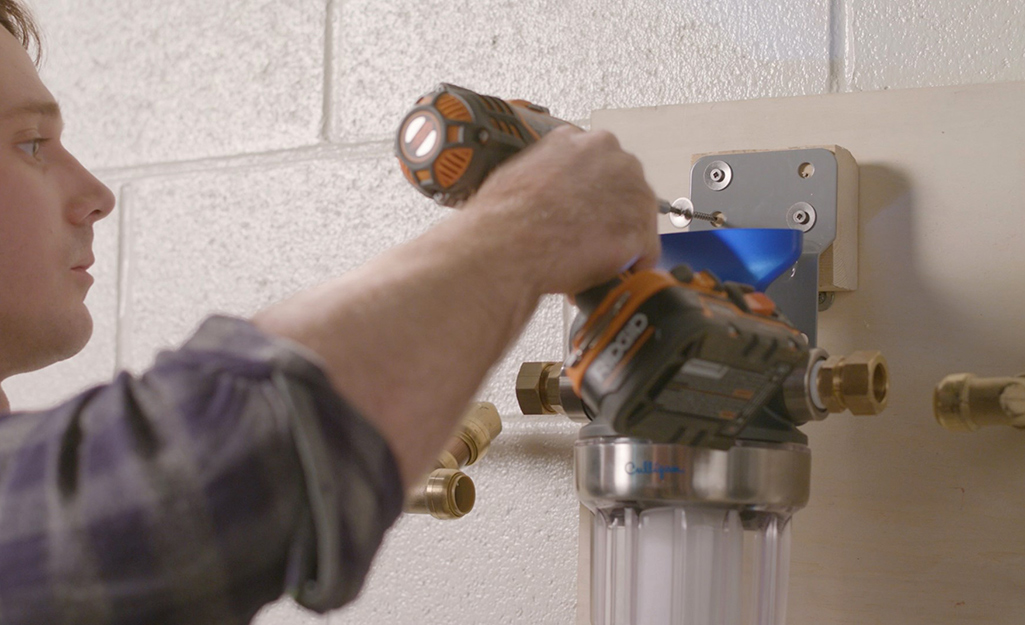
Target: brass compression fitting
542, 389
447, 492
963, 402
859, 382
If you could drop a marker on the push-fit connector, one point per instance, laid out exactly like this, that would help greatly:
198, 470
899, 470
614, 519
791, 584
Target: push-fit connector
964, 403
447, 492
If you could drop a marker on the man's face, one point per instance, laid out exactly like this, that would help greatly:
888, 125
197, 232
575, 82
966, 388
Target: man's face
48, 205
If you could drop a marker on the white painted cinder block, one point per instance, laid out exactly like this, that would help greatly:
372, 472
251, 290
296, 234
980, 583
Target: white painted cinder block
925, 43
235, 240
95, 364
144, 81
574, 56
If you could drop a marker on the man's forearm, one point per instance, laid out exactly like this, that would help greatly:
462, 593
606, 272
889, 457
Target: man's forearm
409, 337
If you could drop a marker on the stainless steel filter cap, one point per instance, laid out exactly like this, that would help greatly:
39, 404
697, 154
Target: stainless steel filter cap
751, 476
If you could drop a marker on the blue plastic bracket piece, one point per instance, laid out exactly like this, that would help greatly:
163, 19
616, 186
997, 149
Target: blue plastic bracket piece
755, 256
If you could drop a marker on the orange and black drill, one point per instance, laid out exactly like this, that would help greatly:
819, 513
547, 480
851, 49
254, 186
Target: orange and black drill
673, 357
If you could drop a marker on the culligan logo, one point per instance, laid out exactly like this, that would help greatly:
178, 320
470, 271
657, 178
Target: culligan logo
652, 468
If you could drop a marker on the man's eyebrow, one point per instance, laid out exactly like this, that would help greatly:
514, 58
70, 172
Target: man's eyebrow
47, 108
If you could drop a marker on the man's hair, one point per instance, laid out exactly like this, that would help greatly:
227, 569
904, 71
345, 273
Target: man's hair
18, 21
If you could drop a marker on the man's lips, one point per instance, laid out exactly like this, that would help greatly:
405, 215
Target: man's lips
85, 265
82, 270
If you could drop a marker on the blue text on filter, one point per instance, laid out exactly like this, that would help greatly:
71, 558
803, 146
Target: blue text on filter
651, 468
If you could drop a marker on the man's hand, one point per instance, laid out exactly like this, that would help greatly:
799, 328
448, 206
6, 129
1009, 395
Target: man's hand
578, 205
408, 337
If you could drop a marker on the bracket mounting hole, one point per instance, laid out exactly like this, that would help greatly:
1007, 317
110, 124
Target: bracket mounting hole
806, 170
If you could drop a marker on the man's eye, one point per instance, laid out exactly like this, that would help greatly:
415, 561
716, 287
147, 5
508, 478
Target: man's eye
31, 147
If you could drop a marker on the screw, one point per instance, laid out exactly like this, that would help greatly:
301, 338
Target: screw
681, 212
826, 299
718, 175
801, 216
483, 136
717, 218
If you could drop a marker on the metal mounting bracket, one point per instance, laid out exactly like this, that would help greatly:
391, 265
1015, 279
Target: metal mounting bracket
795, 189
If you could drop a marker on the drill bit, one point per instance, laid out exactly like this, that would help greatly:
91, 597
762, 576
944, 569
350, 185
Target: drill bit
716, 219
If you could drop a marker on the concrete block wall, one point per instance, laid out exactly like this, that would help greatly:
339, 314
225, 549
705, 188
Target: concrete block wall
249, 144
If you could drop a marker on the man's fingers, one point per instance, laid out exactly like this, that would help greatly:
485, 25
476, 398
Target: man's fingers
605, 139
649, 259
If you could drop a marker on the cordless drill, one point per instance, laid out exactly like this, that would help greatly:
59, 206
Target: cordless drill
673, 357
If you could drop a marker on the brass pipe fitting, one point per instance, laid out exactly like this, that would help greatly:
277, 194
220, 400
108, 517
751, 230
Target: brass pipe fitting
472, 439
447, 492
541, 389
964, 403
859, 382
532, 387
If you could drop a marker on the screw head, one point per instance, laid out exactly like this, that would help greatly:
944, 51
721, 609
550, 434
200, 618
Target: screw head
718, 175
801, 216
683, 213
826, 299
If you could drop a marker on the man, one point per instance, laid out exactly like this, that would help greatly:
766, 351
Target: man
265, 455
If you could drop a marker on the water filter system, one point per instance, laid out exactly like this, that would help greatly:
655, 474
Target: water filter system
694, 466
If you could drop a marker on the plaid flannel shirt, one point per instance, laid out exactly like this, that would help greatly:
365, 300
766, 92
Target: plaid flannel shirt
227, 474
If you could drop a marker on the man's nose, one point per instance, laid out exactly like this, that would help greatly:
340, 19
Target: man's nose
90, 200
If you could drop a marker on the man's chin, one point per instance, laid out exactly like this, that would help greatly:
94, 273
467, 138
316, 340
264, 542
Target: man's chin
78, 335
66, 339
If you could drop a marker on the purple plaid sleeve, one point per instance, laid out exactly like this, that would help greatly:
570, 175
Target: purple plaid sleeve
226, 475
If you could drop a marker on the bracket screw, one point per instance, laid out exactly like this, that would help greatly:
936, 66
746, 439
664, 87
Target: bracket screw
718, 175
826, 299
801, 216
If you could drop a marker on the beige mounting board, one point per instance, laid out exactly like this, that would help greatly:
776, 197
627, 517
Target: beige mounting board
908, 524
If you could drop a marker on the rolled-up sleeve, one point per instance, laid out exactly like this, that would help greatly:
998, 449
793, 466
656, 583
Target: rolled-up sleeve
229, 473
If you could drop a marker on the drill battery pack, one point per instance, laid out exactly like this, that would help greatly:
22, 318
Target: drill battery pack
679, 357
